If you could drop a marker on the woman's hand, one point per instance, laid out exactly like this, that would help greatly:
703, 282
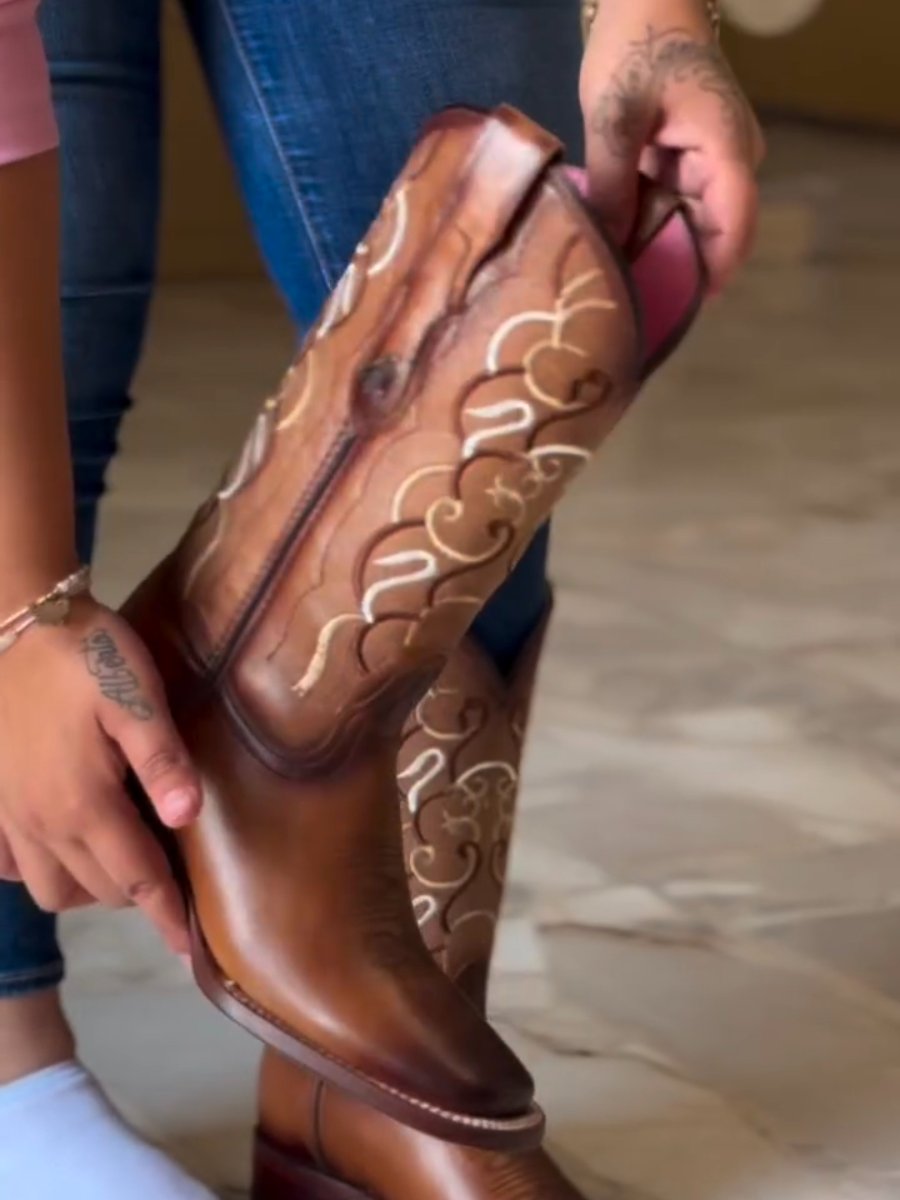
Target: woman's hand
659, 97
79, 704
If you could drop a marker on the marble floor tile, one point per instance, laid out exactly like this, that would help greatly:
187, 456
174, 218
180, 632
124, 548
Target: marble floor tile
700, 956
812, 1059
179, 1069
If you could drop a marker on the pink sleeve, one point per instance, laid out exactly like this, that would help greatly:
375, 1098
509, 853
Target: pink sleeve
27, 124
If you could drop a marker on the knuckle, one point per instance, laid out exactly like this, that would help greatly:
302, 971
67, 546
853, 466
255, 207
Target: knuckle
160, 762
75, 811
143, 891
75, 818
34, 825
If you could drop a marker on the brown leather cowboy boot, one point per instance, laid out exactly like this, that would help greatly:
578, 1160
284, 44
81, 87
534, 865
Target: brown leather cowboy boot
459, 774
483, 341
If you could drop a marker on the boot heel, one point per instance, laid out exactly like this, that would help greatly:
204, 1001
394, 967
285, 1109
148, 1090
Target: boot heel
280, 1175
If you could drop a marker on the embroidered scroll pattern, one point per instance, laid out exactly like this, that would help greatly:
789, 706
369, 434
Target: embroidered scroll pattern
527, 420
460, 789
285, 409
524, 426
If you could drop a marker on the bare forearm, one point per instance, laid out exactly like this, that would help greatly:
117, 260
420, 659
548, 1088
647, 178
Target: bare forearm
36, 506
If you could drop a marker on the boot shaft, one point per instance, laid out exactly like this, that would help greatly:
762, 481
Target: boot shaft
459, 775
479, 347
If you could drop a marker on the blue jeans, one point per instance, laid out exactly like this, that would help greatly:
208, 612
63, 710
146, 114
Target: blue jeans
319, 101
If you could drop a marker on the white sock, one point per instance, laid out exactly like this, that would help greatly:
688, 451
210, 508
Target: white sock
61, 1137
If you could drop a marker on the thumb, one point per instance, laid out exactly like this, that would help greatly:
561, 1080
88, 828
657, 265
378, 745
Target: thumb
135, 715
617, 128
160, 760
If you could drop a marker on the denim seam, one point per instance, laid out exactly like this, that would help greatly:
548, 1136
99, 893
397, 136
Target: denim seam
329, 276
99, 292
100, 72
32, 974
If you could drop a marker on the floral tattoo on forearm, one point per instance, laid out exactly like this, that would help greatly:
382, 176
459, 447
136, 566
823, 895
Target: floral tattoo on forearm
660, 59
115, 678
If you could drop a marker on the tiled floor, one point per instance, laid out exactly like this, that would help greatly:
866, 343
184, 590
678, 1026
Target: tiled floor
701, 959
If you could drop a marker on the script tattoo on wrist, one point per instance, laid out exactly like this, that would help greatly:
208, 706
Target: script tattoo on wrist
115, 678
661, 59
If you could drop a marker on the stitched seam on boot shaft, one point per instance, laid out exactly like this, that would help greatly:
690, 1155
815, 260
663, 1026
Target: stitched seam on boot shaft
263, 586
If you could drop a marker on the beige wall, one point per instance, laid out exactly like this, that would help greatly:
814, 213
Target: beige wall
844, 64
204, 231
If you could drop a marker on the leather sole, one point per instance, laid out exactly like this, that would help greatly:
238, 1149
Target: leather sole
278, 1175
513, 1134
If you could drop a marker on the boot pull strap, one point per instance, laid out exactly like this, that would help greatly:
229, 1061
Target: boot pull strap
510, 150
656, 207
666, 267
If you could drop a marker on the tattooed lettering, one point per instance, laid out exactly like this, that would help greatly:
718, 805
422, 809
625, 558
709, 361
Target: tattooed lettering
115, 678
661, 59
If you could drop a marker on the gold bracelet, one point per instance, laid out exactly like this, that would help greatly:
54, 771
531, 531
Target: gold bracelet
50, 609
713, 11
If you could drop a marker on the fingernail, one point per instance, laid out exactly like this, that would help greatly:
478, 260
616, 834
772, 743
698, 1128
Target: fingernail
180, 805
